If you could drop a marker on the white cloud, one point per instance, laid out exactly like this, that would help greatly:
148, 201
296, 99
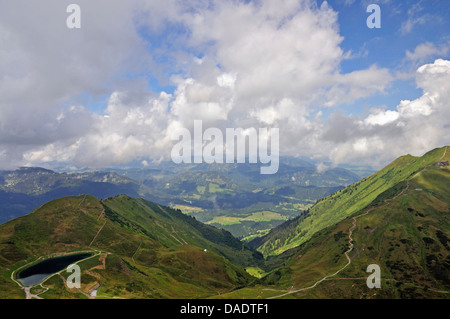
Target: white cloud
322, 168
381, 117
358, 84
45, 66
414, 127
425, 50
241, 64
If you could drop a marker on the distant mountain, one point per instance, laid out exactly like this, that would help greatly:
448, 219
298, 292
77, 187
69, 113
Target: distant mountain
38, 181
291, 170
235, 196
25, 189
230, 196
142, 249
396, 219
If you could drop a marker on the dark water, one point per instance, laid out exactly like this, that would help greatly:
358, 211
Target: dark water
35, 274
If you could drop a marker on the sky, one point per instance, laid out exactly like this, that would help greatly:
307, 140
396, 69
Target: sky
114, 90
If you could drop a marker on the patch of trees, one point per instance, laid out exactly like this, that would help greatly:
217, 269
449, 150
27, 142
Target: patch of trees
428, 240
338, 235
285, 191
440, 269
389, 193
442, 238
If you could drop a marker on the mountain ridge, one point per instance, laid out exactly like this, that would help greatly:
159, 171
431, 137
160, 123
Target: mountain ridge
405, 232
233, 196
153, 251
345, 202
140, 240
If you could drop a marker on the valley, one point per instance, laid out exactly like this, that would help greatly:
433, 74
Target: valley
235, 197
405, 231
143, 250
397, 218
196, 157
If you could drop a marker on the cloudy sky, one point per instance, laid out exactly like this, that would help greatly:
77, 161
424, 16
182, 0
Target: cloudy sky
113, 91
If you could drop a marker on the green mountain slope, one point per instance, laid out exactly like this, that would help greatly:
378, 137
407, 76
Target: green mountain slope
172, 228
405, 231
345, 202
25, 189
140, 250
233, 196
397, 218
229, 196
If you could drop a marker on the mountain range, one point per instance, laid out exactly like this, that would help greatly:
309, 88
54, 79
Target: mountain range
141, 249
396, 218
231, 196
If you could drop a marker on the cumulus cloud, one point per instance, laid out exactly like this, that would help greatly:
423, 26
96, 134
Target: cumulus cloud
425, 50
414, 126
380, 117
44, 66
233, 64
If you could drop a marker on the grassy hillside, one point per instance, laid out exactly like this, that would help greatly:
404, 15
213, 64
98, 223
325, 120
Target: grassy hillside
25, 189
140, 250
210, 192
345, 202
397, 218
215, 192
172, 228
406, 231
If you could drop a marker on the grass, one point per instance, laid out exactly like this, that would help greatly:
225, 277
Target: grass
255, 272
259, 233
406, 234
214, 188
156, 252
151, 251
348, 201
201, 189
188, 209
263, 216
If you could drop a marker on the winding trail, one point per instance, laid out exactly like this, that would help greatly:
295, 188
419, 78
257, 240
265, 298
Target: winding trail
349, 261
445, 153
29, 295
132, 257
97, 234
350, 240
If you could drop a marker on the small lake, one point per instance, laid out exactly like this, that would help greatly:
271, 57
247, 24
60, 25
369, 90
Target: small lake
35, 274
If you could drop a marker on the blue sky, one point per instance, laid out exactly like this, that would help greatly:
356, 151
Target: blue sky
405, 25
386, 46
113, 91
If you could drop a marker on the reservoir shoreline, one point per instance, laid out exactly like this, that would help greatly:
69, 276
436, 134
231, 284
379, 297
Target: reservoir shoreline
73, 258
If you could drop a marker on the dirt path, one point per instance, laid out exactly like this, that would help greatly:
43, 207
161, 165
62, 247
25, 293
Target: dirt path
82, 201
180, 240
97, 234
349, 261
445, 152
102, 214
29, 295
132, 257
350, 240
